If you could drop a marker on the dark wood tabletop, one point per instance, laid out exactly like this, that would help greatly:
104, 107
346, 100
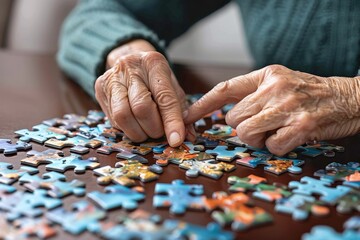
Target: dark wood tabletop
33, 89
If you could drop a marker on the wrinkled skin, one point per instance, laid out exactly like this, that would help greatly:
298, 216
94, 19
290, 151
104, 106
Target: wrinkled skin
282, 109
141, 96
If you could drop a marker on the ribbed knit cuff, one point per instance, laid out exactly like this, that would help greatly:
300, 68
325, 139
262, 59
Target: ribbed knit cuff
83, 56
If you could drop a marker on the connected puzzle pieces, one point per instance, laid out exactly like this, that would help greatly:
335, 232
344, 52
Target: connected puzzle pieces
35, 158
124, 173
223, 154
7, 148
236, 210
77, 220
117, 196
41, 133
179, 196
55, 184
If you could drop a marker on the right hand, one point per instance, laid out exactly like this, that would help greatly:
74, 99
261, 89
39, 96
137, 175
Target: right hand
141, 96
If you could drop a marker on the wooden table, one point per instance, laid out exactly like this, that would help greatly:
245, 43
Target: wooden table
33, 89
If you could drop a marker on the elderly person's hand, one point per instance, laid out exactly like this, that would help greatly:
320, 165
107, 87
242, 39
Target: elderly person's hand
141, 96
283, 109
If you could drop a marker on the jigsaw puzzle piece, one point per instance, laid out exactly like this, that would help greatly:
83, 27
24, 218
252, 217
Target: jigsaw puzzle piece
76, 221
339, 172
36, 158
55, 183
8, 175
79, 144
124, 173
20, 204
236, 141
9, 232
117, 196
208, 168
349, 202
179, 196
236, 210
40, 134
300, 206
244, 184
7, 148
221, 131
38, 227
309, 186
207, 141
6, 189
94, 117
353, 223
321, 232
69, 122
73, 161
124, 145
191, 231
175, 155
223, 154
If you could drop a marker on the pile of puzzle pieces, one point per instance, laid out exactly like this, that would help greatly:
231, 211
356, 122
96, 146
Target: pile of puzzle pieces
35, 209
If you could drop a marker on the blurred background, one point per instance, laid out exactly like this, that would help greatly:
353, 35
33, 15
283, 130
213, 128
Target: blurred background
33, 26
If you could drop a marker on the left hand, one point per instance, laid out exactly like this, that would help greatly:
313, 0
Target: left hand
282, 109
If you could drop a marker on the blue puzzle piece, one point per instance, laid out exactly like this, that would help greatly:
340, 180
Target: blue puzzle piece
94, 117
309, 186
213, 231
79, 144
321, 232
117, 196
6, 189
9, 176
73, 161
8, 148
55, 184
353, 223
223, 154
27, 204
77, 220
40, 134
300, 206
180, 196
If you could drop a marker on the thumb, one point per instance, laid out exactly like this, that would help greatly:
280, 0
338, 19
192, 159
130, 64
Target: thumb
229, 91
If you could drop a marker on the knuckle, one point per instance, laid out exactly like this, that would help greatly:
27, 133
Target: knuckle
275, 68
222, 87
166, 99
153, 56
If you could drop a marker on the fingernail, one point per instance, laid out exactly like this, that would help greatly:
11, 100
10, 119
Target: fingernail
174, 139
185, 114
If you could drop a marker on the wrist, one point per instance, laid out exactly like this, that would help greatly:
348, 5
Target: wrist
133, 46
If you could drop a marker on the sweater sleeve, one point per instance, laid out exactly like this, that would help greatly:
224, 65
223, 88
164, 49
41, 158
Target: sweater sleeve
95, 27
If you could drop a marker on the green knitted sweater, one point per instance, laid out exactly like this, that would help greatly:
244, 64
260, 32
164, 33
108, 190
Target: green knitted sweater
315, 36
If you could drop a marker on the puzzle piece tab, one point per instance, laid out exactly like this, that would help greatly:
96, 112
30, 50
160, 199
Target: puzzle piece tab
7, 148
124, 173
55, 184
208, 168
236, 211
179, 196
77, 220
117, 196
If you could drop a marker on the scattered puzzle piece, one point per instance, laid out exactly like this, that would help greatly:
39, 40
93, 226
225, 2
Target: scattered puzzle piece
353, 223
7, 148
73, 161
55, 184
8, 175
236, 211
340, 172
319, 148
79, 144
308, 186
191, 231
124, 173
349, 202
69, 122
38, 227
6, 189
117, 196
208, 168
176, 155
77, 220
35, 158
221, 131
179, 196
9, 232
40, 134
126, 145
300, 206
223, 154
26, 204
325, 232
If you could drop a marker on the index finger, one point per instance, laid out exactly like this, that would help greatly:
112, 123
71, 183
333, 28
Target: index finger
229, 91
